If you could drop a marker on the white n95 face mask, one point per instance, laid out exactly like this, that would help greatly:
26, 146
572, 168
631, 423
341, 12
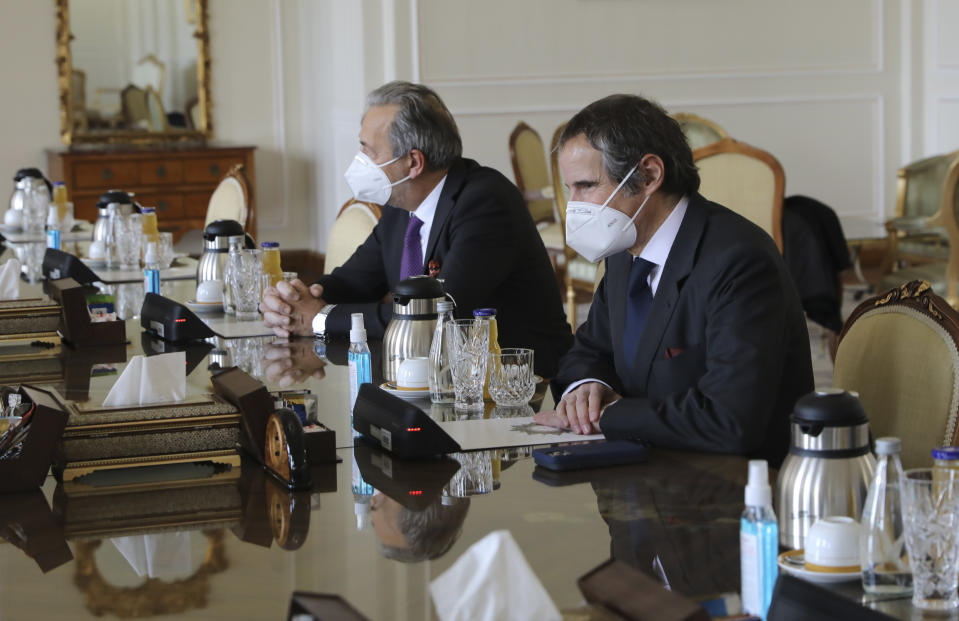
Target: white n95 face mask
368, 181
597, 231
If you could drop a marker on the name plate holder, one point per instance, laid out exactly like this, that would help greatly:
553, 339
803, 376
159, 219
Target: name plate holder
275, 438
76, 326
28, 470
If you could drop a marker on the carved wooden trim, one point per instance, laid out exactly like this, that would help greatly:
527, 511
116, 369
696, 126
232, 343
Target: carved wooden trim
154, 596
917, 295
64, 67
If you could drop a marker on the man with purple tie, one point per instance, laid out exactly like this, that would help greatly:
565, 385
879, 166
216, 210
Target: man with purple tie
443, 215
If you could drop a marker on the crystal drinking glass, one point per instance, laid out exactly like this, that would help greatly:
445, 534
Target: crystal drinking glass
165, 249
127, 235
511, 377
468, 343
246, 284
36, 203
930, 506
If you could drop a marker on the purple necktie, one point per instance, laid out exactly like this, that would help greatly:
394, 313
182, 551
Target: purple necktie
412, 263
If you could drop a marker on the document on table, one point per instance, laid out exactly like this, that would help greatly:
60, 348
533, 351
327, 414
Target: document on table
231, 328
489, 433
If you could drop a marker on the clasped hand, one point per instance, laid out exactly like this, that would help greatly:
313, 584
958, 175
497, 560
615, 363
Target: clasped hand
580, 409
289, 307
292, 362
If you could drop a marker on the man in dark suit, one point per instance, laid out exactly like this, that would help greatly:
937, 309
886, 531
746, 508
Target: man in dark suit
445, 215
696, 337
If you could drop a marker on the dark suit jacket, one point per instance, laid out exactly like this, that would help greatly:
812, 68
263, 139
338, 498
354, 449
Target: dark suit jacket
724, 354
490, 255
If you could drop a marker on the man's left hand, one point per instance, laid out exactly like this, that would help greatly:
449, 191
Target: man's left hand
580, 409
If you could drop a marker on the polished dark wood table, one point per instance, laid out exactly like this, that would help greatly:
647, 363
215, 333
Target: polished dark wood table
199, 544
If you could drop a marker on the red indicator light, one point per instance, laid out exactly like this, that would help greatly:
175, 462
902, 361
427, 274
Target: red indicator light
414, 429
183, 320
416, 492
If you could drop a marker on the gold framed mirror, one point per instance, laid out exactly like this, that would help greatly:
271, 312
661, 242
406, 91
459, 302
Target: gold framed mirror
133, 71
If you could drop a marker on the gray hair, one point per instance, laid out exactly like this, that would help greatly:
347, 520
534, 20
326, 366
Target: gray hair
624, 128
429, 533
422, 122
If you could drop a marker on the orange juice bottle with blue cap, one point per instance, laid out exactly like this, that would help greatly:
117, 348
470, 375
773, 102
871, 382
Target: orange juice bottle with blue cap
489, 314
271, 261
945, 464
150, 228
60, 199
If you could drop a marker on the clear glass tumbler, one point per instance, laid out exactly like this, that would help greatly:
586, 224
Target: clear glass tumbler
511, 377
127, 235
468, 343
36, 203
246, 285
164, 249
931, 520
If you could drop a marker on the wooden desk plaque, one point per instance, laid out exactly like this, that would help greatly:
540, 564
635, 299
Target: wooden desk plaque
253, 400
75, 324
271, 512
27, 522
275, 440
634, 596
285, 450
28, 470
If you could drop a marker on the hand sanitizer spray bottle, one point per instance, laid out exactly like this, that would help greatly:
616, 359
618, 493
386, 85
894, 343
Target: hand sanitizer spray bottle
359, 359
758, 542
53, 228
151, 270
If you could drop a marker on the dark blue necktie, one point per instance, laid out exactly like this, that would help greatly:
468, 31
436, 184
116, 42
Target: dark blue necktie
639, 299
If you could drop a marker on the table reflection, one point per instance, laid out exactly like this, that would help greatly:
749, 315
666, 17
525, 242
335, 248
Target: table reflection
372, 528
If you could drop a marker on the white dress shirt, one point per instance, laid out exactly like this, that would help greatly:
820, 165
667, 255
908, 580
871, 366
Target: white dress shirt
656, 252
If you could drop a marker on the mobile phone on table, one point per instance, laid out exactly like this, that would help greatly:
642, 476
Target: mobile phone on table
591, 455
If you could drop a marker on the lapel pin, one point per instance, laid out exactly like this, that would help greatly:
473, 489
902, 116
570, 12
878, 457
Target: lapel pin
434, 268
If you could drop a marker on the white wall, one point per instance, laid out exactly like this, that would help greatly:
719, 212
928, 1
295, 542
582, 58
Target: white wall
29, 111
816, 83
842, 93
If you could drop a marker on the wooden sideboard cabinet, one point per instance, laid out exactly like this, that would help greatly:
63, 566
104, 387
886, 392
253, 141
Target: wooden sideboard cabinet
178, 181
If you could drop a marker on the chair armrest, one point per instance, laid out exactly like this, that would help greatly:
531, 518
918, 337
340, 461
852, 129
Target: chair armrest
920, 165
908, 225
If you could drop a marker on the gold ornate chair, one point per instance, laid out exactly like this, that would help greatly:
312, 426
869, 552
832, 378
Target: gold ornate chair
352, 226
150, 71
533, 180
747, 180
699, 131
900, 352
231, 201
156, 115
136, 115
924, 232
